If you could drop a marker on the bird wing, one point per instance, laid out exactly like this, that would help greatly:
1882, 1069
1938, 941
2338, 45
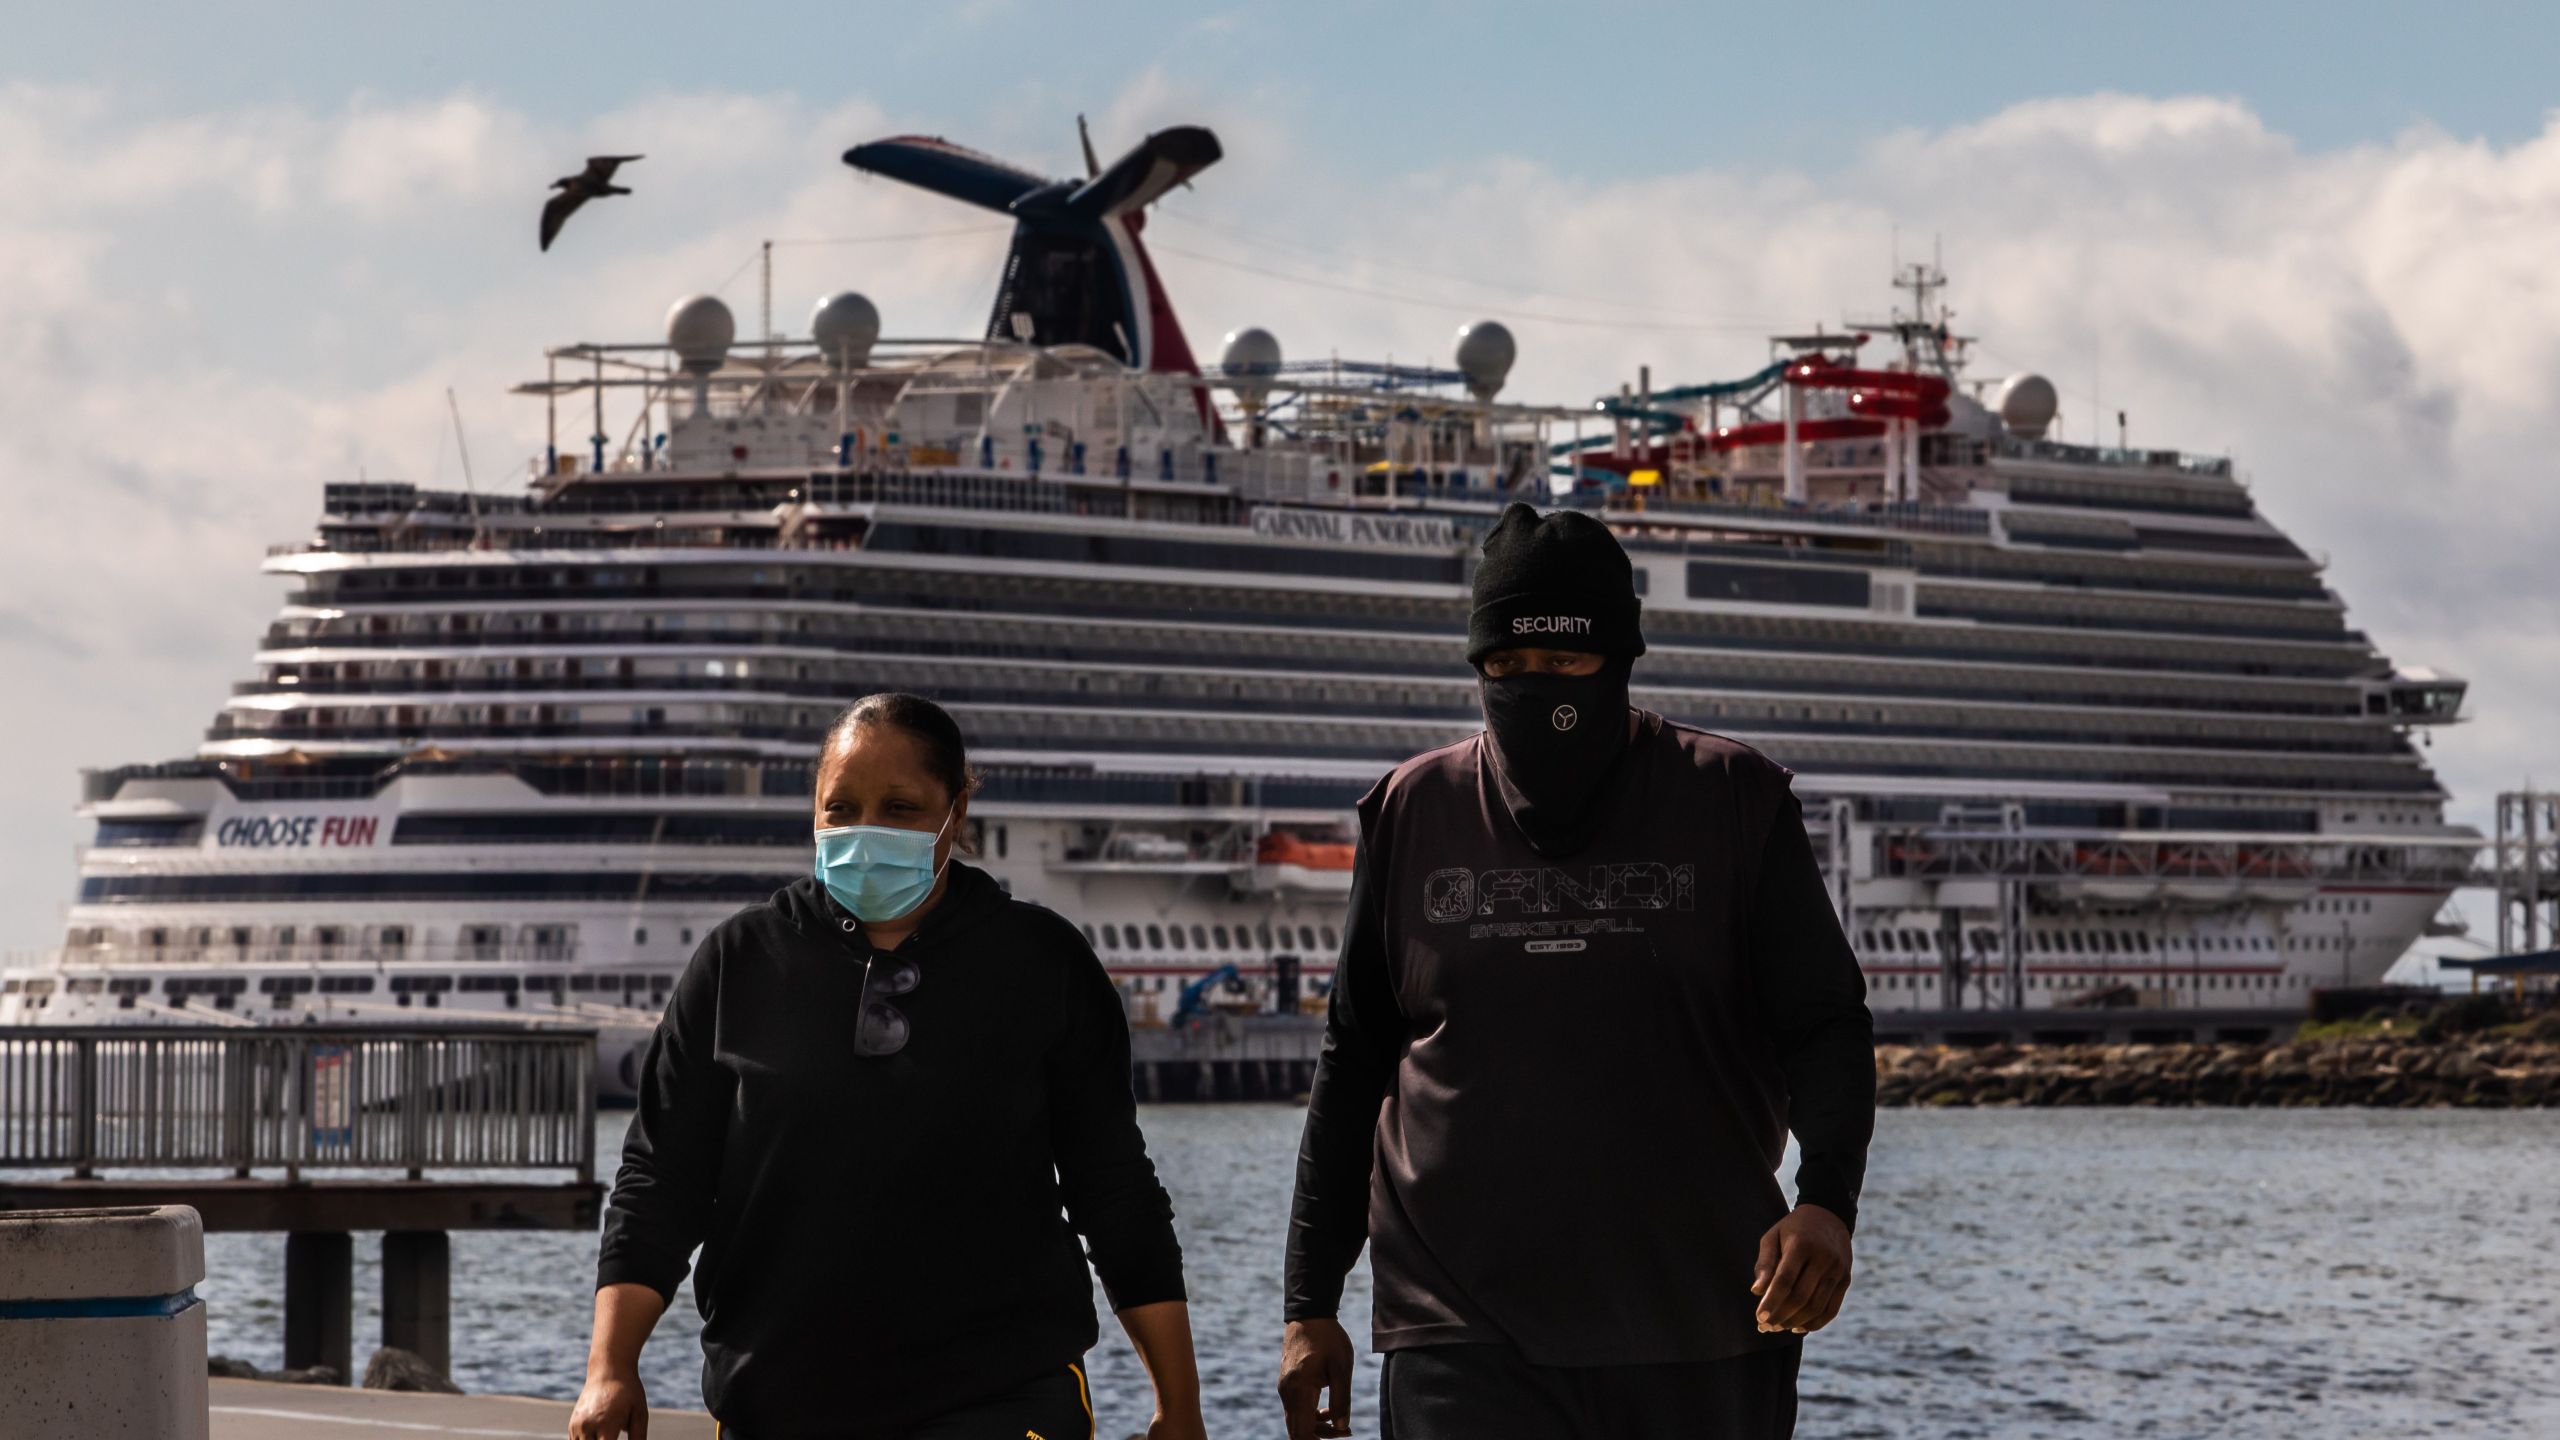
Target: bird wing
556, 212
600, 168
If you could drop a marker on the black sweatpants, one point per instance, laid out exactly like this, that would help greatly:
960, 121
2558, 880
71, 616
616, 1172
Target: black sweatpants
1054, 1407
1472, 1392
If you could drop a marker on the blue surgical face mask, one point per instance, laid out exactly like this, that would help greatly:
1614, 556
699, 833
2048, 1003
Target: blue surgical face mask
879, 872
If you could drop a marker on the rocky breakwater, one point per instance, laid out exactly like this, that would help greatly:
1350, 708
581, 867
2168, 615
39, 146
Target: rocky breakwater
2398, 1063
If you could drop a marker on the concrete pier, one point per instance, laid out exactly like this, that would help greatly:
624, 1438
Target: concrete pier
319, 1301
417, 1295
260, 1410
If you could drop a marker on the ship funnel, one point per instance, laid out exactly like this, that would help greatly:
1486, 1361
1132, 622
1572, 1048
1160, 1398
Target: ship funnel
846, 325
1485, 353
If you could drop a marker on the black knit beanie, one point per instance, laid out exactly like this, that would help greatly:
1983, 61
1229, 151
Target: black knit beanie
1557, 581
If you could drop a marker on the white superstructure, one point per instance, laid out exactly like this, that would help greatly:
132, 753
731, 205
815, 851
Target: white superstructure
2070, 724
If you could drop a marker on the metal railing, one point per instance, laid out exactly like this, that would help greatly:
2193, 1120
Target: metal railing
309, 1097
1936, 854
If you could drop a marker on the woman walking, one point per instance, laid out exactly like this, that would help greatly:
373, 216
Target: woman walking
868, 1104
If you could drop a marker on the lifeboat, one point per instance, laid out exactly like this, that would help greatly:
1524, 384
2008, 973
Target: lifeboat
1281, 848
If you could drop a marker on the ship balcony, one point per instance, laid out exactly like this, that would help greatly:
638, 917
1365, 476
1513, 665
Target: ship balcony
2416, 697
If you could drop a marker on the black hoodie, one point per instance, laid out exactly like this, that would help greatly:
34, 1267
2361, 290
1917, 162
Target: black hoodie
882, 1237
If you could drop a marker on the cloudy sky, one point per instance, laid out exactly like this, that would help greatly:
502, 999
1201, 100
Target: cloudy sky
2317, 238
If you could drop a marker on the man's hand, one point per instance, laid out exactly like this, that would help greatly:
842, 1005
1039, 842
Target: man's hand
1803, 1271
1315, 1358
611, 1405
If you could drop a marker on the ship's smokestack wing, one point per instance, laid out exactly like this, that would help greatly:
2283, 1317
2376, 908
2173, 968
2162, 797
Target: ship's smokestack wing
1140, 178
931, 163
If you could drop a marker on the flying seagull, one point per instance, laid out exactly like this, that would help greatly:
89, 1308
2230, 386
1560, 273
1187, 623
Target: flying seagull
576, 190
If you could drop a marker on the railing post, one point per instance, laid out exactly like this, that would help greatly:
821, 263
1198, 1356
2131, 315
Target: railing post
239, 1124
413, 1117
582, 1074
84, 1111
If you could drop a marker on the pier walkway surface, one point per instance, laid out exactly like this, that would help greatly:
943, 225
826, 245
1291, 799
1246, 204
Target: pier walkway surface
264, 1410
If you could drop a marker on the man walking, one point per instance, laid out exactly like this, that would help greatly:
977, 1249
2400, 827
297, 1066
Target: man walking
1591, 978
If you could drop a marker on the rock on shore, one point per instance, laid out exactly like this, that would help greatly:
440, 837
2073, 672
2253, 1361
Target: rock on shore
2372, 1070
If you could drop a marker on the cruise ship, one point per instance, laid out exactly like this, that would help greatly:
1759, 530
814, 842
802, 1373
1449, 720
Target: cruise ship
2073, 725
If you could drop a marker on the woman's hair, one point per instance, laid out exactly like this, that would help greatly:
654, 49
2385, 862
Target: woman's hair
946, 755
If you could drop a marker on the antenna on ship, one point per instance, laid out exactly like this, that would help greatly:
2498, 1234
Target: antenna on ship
470, 487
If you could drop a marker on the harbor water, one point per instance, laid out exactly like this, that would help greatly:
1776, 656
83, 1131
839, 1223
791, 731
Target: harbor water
2022, 1273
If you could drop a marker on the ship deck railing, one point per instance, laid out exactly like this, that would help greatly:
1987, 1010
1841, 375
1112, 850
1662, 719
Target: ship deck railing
2174, 462
1933, 854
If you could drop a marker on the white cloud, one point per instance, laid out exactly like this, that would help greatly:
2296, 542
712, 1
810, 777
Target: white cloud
210, 316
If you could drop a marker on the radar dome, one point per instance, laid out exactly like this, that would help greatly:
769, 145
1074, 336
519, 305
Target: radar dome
2027, 405
699, 330
845, 325
1485, 353
1251, 358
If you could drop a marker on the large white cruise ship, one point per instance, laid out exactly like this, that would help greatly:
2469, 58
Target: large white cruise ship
2072, 725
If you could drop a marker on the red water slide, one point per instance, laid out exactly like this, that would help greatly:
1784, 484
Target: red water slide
1875, 396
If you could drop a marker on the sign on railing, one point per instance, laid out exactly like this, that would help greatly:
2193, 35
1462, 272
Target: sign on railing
132, 1096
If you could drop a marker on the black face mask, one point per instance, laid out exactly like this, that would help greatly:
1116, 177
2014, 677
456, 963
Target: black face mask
1554, 739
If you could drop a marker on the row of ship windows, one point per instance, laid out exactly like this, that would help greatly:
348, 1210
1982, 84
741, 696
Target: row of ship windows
2093, 942
710, 626
1015, 642
1204, 937
1416, 704
1774, 583
998, 679
1792, 634
2172, 980
319, 885
1132, 551
2382, 759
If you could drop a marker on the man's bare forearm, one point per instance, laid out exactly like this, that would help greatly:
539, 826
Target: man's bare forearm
625, 1314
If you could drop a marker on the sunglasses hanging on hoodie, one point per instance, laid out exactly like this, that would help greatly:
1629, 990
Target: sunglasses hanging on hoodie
1558, 581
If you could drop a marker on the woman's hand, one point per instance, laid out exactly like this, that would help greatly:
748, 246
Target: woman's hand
1161, 1334
611, 1405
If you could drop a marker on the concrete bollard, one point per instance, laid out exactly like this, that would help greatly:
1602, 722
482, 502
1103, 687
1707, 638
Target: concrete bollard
101, 1333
